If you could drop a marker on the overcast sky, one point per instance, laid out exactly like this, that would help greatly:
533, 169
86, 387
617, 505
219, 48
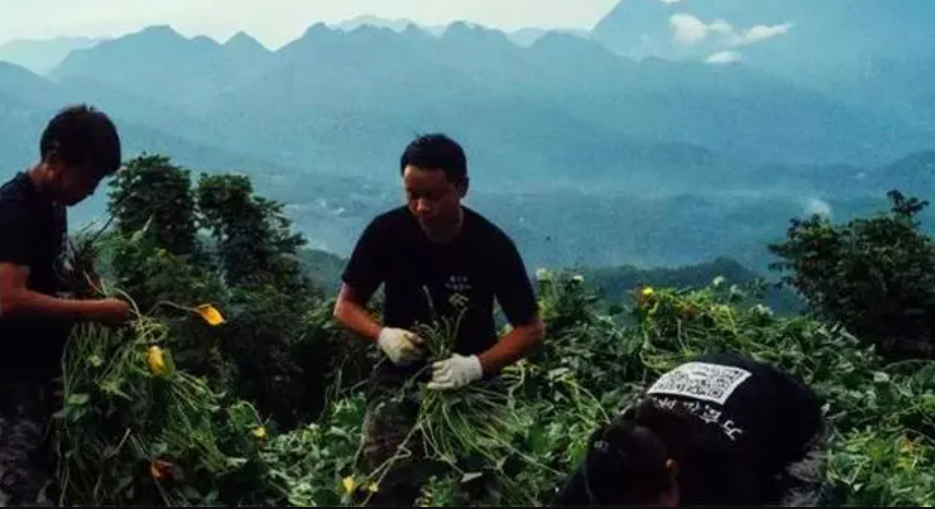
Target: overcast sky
275, 22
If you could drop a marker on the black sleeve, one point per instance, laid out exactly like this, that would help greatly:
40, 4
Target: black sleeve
15, 230
366, 269
806, 423
800, 420
514, 289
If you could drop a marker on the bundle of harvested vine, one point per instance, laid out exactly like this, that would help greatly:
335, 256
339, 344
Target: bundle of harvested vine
476, 432
133, 430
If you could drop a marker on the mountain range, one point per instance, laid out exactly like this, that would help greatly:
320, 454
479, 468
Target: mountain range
43, 55
587, 154
329, 86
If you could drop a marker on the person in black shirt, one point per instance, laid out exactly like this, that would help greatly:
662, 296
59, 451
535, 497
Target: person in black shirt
78, 148
719, 430
434, 258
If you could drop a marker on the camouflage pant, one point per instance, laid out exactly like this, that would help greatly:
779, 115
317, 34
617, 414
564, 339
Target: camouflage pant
389, 439
803, 482
25, 458
389, 420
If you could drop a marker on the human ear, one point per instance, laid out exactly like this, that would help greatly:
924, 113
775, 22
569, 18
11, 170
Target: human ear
672, 495
672, 468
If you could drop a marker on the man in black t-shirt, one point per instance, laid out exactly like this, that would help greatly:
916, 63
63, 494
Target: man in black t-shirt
435, 259
719, 430
78, 148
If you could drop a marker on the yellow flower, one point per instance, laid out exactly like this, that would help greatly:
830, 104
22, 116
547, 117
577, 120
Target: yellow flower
648, 291
259, 432
349, 484
211, 315
373, 488
156, 360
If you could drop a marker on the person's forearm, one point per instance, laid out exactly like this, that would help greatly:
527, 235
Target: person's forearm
356, 318
512, 347
30, 304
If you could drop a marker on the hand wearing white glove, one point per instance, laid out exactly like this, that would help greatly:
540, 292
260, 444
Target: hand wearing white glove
401, 346
455, 372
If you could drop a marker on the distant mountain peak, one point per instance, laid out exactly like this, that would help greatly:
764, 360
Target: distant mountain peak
317, 30
155, 36
373, 29
397, 25
245, 42
9, 68
205, 41
463, 26
414, 30
161, 30
466, 30
41, 56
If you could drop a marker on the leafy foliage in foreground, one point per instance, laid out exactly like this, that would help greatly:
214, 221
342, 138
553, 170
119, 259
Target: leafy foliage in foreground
881, 429
143, 429
134, 430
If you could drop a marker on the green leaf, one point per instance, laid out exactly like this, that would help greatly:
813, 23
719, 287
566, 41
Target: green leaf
236, 462
79, 399
190, 492
471, 476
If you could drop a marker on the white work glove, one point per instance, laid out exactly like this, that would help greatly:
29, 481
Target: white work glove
401, 346
456, 372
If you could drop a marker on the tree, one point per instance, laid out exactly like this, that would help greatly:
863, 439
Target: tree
275, 347
152, 191
155, 249
876, 276
255, 244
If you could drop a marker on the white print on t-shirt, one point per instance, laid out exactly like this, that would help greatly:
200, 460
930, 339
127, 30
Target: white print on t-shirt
703, 411
731, 429
458, 285
701, 380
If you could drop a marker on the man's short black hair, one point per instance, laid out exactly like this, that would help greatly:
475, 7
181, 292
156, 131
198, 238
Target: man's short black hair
83, 137
436, 152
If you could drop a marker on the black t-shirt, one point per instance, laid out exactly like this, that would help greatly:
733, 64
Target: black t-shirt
462, 278
753, 417
756, 413
33, 234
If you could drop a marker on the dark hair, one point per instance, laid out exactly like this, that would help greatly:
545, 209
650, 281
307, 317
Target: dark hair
626, 459
436, 152
626, 462
83, 137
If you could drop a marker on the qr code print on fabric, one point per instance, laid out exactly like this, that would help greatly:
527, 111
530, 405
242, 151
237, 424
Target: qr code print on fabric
700, 380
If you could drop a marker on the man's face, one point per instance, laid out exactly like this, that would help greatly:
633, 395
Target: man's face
433, 200
73, 184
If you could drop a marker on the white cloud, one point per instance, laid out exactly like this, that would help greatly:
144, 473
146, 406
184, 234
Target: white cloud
724, 57
687, 30
818, 206
763, 32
